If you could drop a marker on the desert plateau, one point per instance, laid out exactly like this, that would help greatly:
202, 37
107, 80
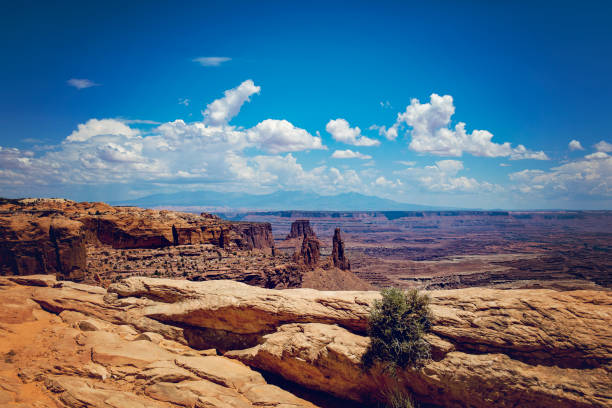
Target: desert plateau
315, 204
128, 307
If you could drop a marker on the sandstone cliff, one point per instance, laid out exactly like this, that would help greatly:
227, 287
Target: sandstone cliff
50, 235
38, 245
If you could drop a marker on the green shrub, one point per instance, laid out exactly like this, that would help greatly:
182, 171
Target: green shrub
396, 327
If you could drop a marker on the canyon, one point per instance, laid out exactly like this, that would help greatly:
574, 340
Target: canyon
459, 249
98, 244
129, 307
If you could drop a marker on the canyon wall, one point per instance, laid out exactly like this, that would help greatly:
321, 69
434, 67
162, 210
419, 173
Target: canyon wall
42, 245
50, 235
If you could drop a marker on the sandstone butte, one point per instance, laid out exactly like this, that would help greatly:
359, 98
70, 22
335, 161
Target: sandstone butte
50, 235
146, 342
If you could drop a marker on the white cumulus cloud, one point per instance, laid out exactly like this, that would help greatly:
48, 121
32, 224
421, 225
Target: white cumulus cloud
211, 152
390, 134
222, 110
97, 127
444, 176
276, 136
349, 154
575, 145
591, 176
603, 146
431, 133
343, 132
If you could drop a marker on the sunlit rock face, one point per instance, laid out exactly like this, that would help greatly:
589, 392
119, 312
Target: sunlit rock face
35, 244
39, 236
148, 342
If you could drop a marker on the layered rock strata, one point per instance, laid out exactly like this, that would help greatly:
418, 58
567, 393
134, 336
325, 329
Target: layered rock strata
528, 348
82, 354
50, 235
490, 347
42, 245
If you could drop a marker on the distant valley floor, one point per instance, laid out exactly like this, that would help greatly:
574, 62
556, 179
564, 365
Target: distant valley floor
455, 249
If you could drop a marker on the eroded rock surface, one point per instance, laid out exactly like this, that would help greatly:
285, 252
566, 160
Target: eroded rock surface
299, 228
338, 257
32, 244
309, 253
136, 344
490, 347
50, 235
80, 350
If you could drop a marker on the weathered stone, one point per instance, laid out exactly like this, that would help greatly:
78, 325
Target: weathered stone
339, 259
108, 367
328, 358
221, 370
33, 244
245, 309
299, 228
503, 348
78, 393
310, 252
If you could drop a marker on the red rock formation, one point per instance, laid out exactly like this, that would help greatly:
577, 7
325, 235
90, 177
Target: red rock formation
253, 235
310, 253
339, 259
49, 235
299, 228
42, 245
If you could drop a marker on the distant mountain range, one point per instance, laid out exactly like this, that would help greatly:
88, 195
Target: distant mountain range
280, 200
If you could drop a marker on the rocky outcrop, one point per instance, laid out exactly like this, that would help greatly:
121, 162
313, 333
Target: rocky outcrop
310, 252
490, 347
74, 359
299, 228
253, 235
137, 342
50, 235
338, 257
42, 245
327, 358
132, 227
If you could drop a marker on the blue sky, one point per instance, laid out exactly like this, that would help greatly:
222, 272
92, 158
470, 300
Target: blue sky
116, 100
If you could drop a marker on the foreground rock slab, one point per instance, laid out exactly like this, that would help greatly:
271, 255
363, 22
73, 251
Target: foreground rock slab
327, 358
82, 351
150, 339
533, 347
